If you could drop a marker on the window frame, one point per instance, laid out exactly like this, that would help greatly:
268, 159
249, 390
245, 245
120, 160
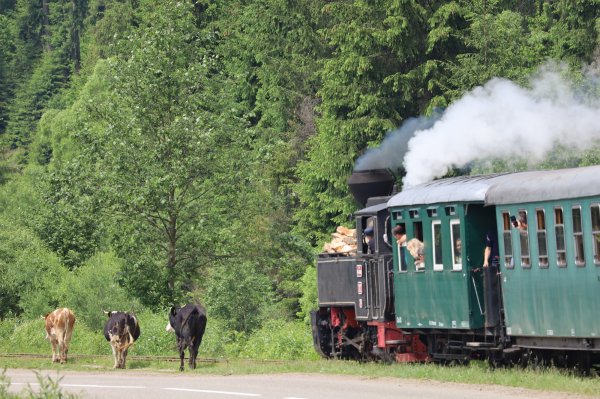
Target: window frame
560, 225
524, 258
595, 233
435, 244
542, 230
509, 255
578, 238
455, 266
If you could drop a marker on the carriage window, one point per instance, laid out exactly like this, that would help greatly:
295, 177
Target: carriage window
365, 223
397, 215
524, 238
418, 230
559, 232
541, 237
456, 244
578, 236
508, 252
416, 250
438, 259
595, 208
402, 259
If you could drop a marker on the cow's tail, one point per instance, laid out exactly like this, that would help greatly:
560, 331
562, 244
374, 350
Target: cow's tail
130, 340
65, 313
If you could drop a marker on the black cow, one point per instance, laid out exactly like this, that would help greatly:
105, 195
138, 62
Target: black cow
121, 330
188, 322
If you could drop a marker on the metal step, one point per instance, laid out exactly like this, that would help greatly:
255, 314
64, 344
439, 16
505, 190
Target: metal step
396, 342
480, 344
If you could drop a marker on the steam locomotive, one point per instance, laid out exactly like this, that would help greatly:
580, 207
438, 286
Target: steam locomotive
537, 302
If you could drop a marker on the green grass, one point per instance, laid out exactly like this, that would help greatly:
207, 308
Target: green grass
279, 347
275, 340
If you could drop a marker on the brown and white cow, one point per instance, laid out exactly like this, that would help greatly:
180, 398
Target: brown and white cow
59, 329
121, 330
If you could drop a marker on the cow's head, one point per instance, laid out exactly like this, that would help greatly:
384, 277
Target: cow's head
172, 314
169, 327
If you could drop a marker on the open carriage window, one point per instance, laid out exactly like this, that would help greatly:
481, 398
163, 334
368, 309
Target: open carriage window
595, 214
416, 247
559, 233
401, 249
507, 241
541, 237
578, 236
438, 258
524, 238
456, 244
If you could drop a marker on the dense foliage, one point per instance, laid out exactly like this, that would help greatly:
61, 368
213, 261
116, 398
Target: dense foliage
153, 153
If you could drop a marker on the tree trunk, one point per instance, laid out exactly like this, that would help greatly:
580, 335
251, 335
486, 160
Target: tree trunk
172, 245
46, 25
75, 27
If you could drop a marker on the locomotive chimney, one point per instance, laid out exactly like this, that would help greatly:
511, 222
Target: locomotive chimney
365, 184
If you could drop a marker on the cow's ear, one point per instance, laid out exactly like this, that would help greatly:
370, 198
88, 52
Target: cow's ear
107, 313
173, 310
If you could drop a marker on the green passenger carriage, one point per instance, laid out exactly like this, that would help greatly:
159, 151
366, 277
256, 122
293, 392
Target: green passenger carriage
537, 301
551, 268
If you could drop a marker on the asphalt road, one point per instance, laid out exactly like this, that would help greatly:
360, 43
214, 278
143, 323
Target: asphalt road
131, 385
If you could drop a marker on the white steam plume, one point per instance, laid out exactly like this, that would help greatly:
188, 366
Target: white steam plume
390, 154
500, 120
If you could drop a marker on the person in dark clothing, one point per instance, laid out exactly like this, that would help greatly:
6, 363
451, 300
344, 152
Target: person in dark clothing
491, 254
491, 280
370, 236
400, 235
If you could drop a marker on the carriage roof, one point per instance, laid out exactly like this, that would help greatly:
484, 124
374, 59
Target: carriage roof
508, 188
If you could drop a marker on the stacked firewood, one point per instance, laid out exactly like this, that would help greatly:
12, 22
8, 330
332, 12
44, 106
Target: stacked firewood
343, 241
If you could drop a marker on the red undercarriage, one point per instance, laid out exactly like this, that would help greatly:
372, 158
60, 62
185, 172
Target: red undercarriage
407, 347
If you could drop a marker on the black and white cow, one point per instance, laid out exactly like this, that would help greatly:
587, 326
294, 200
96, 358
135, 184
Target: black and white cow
188, 322
121, 330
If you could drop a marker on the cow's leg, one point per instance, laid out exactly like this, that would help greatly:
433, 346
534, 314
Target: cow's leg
61, 351
115, 354
123, 358
193, 354
181, 358
55, 354
68, 336
197, 342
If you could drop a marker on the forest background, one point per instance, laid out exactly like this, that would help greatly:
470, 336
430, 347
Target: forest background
159, 152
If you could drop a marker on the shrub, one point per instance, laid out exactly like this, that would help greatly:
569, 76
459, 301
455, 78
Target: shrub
236, 293
154, 339
309, 298
276, 339
93, 288
280, 340
29, 272
47, 388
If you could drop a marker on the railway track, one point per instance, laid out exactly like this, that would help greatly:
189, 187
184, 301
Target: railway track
26, 356
130, 357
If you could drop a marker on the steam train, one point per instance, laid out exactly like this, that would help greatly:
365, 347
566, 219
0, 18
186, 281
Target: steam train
537, 302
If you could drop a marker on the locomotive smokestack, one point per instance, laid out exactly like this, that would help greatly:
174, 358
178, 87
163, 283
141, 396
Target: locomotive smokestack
365, 184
